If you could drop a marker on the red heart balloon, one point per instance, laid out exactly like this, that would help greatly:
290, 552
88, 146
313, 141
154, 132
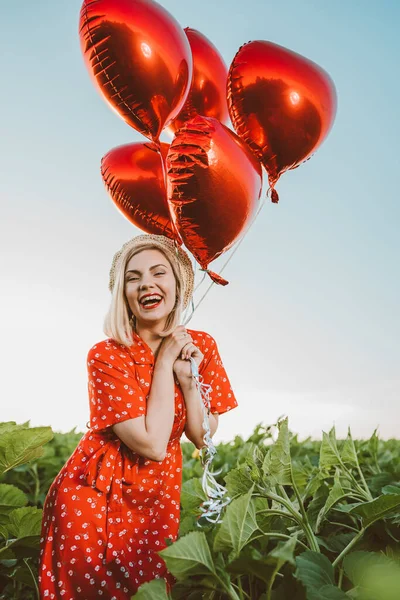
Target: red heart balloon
282, 104
139, 58
213, 185
134, 177
207, 95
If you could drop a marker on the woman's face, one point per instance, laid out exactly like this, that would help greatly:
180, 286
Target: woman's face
149, 274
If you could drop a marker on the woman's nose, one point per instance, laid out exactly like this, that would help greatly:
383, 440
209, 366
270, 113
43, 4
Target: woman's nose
145, 283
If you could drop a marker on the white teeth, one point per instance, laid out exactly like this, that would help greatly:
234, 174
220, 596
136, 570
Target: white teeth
154, 297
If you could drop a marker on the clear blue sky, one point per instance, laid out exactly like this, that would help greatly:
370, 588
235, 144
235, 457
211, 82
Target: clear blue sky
309, 324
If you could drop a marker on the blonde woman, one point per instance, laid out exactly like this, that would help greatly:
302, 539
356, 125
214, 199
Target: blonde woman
117, 499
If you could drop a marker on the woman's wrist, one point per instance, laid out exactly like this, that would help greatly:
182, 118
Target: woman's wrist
164, 363
186, 382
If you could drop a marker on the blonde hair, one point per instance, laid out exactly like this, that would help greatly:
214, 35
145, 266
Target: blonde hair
117, 322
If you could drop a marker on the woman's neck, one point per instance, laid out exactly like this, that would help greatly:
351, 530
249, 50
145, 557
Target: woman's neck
150, 336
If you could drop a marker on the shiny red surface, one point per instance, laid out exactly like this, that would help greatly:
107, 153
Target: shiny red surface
134, 177
213, 186
207, 96
139, 59
282, 104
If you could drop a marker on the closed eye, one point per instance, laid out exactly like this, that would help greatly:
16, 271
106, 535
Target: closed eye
134, 278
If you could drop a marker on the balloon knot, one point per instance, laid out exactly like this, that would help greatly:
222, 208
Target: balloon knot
216, 278
273, 194
274, 197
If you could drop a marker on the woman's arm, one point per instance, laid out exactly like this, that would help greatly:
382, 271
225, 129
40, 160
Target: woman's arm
194, 414
148, 435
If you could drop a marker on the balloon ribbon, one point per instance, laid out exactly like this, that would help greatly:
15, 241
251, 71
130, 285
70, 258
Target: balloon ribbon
215, 492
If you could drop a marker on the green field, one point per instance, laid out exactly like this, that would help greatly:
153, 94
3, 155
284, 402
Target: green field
307, 520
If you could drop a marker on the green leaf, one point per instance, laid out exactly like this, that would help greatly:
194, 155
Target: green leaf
314, 569
358, 563
153, 590
317, 504
8, 426
11, 497
283, 552
348, 452
250, 453
189, 555
277, 465
377, 482
238, 481
336, 493
336, 543
328, 592
25, 576
289, 589
391, 489
314, 482
222, 573
264, 519
250, 562
27, 542
4, 532
245, 565
6, 554
192, 494
376, 509
238, 524
17, 448
347, 508
301, 476
315, 572
373, 444
22, 548
375, 576
25, 522
329, 454
188, 522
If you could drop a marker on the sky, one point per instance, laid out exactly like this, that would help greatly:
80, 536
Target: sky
309, 325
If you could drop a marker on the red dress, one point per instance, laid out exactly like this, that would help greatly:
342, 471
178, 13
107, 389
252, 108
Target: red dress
109, 510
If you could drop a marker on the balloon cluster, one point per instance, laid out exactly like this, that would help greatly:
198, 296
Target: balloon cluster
204, 188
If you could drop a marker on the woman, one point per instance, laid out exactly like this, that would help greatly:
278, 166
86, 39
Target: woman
117, 499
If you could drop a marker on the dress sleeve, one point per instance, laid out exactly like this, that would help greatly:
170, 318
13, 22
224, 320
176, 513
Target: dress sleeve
114, 393
213, 372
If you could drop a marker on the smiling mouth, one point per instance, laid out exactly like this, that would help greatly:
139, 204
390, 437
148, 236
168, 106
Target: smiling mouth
151, 304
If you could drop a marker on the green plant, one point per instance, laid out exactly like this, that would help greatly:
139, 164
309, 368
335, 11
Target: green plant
307, 520
20, 524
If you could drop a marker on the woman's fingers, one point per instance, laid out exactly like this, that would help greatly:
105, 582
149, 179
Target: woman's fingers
188, 350
186, 340
184, 352
182, 338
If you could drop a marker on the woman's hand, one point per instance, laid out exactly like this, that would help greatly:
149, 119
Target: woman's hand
183, 367
173, 345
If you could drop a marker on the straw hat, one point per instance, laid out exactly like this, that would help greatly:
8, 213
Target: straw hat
175, 254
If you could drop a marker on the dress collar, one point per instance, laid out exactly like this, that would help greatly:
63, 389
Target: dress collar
141, 353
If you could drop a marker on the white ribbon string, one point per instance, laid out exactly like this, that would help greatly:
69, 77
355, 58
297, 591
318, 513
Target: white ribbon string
215, 492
